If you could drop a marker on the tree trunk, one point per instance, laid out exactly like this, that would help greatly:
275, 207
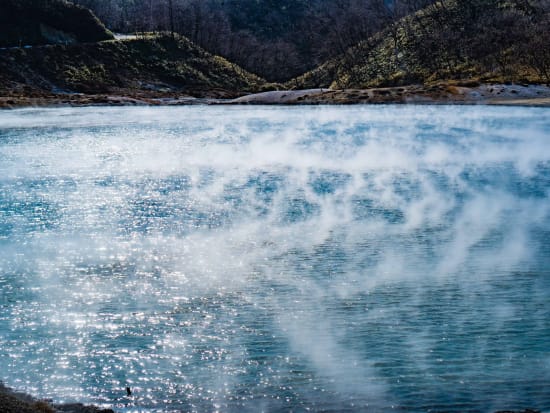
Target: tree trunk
171, 12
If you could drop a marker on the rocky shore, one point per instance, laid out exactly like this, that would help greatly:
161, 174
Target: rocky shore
442, 93
16, 402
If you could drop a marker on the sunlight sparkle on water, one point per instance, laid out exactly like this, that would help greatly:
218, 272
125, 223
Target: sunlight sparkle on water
248, 259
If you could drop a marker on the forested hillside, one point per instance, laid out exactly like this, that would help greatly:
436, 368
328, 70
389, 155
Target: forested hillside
276, 39
479, 40
32, 22
336, 43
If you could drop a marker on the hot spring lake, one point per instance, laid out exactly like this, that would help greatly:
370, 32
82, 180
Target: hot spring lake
247, 259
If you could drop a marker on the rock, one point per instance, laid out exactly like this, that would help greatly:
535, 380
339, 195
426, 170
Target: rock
80, 408
15, 402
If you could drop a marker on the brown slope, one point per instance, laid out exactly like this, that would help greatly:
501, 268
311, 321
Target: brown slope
153, 66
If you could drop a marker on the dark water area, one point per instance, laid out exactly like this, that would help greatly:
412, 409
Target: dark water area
388, 258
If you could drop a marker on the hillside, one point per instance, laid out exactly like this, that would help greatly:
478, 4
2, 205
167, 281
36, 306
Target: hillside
449, 43
471, 40
34, 22
155, 66
276, 39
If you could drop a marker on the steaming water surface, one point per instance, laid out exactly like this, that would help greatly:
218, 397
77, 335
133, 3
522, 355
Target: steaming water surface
248, 259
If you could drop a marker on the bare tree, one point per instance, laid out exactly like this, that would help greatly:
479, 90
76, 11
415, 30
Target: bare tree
171, 13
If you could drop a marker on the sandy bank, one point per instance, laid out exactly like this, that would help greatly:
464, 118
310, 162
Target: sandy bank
497, 94
445, 93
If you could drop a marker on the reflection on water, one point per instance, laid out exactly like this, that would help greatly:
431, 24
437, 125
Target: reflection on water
248, 259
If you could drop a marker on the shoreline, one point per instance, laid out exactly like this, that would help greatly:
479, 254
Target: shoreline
12, 401
534, 95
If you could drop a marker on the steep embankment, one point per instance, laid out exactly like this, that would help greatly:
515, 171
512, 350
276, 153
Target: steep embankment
482, 40
155, 66
34, 22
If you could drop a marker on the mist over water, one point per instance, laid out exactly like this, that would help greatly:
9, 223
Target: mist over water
248, 259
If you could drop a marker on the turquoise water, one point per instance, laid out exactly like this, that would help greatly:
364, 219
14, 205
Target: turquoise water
387, 258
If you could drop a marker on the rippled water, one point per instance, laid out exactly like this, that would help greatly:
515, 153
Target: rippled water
249, 259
